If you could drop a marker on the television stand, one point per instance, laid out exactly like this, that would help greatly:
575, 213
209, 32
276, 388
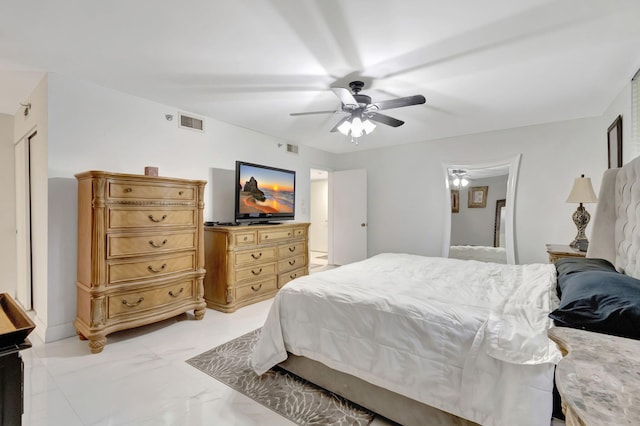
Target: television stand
264, 223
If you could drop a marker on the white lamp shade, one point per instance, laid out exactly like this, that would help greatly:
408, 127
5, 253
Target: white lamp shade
345, 127
582, 191
368, 126
357, 129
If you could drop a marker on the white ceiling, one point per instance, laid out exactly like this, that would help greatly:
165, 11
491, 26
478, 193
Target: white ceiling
482, 65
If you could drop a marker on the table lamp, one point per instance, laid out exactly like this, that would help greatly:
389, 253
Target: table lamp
582, 192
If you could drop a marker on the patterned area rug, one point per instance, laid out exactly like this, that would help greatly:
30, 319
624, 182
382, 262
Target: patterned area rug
286, 394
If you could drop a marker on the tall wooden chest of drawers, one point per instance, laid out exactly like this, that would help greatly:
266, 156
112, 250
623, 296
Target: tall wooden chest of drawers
247, 264
140, 252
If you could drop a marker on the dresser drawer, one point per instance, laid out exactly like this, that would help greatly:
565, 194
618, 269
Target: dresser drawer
255, 289
119, 272
120, 245
300, 232
136, 302
289, 250
150, 218
268, 235
255, 272
291, 263
256, 256
151, 191
291, 275
243, 238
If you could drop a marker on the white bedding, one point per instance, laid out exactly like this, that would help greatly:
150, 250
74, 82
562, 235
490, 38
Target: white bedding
466, 337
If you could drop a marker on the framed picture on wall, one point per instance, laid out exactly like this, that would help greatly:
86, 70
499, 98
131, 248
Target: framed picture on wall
478, 196
455, 201
614, 143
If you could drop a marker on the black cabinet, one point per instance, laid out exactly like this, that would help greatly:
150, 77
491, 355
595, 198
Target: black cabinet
12, 384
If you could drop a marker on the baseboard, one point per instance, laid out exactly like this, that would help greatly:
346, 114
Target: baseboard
52, 333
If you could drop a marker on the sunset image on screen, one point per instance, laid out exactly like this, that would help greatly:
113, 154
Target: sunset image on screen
266, 190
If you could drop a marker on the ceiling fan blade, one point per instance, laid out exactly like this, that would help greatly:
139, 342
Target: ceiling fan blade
400, 102
345, 96
385, 119
335, 128
333, 111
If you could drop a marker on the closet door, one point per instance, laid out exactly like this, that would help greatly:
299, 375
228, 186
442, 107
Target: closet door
23, 221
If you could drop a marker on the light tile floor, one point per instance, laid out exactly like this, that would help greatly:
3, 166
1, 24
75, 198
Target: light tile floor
141, 377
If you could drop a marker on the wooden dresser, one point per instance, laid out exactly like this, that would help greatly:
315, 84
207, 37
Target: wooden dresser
140, 252
247, 264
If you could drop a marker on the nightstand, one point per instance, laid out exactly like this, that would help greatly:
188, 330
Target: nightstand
558, 251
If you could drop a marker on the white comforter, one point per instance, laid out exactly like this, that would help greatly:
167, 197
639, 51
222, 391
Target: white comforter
466, 337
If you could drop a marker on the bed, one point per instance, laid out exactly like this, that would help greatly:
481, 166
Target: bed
473, 342
452, 341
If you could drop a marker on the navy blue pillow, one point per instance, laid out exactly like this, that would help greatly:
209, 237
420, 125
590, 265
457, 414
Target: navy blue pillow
601, 301
568, 266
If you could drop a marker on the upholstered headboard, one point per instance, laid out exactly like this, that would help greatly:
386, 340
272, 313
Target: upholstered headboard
616, 225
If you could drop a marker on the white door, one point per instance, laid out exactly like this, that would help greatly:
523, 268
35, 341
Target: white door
348, 210
23, 222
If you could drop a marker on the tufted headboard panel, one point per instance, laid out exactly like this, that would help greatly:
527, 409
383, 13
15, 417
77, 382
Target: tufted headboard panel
616, 226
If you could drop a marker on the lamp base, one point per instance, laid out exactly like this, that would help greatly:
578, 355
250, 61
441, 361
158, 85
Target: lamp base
581, 218
581, 245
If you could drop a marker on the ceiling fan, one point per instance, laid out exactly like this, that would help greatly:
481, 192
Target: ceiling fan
360, 109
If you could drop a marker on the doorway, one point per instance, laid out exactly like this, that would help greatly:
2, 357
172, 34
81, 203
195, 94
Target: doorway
319, 218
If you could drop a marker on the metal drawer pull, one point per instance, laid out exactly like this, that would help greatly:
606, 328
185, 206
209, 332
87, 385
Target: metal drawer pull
256, 273
164, 265
292, 249
258, 257
131, 305
153, 219
256, 289
181, 192
246, 238
288, 234
292, 262
172, 294
293, 276
156, 245
128, 190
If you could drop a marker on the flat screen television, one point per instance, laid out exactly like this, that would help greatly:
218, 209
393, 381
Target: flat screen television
264, 194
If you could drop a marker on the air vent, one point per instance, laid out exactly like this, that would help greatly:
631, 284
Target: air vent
193, 123
292, 148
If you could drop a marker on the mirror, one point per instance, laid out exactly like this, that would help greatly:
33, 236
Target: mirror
479, 212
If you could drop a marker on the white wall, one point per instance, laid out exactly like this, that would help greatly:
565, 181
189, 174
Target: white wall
406, 196
621, 105
7, 208
475, 226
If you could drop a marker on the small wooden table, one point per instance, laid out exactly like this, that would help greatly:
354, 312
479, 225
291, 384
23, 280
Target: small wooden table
557, 251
